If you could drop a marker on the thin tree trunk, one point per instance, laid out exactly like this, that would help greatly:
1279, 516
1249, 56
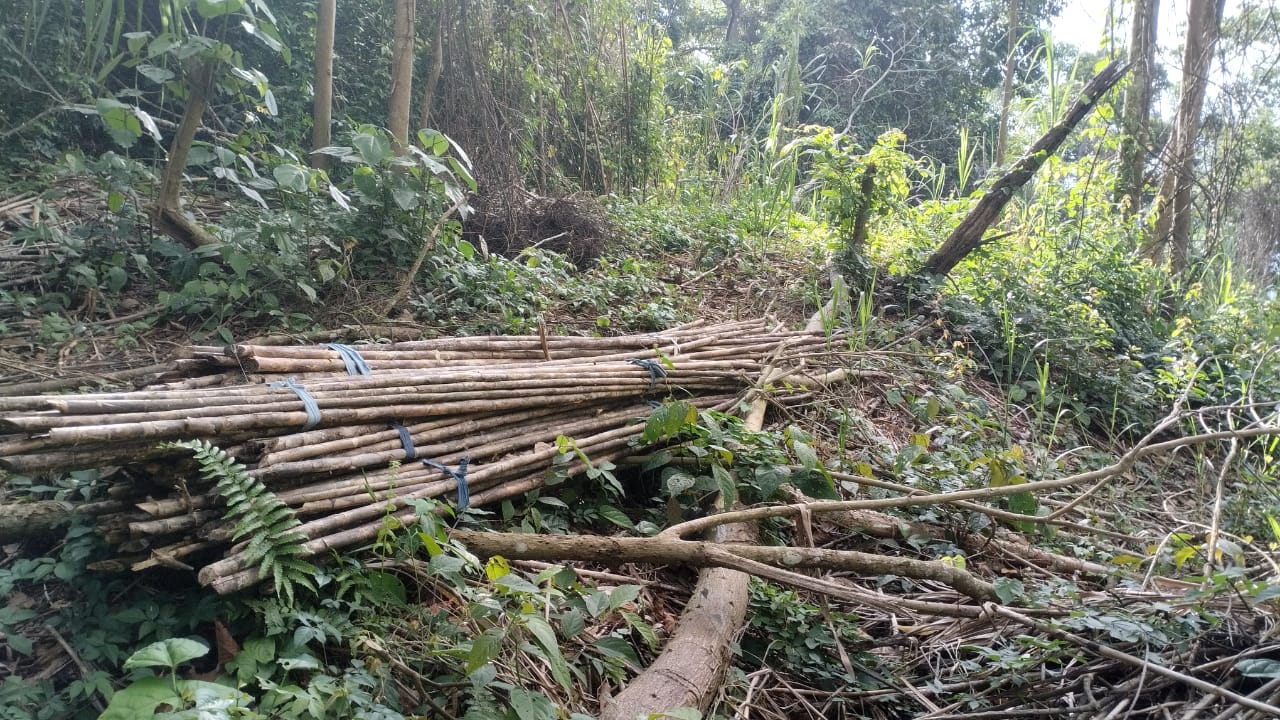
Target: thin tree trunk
1136, 120
968, 235
168, 206
1006, 93
437, 68
1173, 220
734, 10
322, 109
401, 74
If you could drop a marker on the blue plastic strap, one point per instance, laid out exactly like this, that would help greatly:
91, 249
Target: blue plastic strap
351, 358
653, 366
406, 441
308, 402
464, 492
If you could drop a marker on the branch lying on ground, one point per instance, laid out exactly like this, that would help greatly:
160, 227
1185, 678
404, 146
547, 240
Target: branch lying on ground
1125, 463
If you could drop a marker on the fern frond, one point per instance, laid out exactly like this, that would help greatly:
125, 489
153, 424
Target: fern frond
275, 545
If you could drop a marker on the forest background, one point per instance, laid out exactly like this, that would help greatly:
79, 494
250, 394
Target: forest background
191, 171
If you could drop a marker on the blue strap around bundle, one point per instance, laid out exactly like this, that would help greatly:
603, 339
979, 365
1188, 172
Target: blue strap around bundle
308, 402
351, 358
406, 441
464, 492
653, 366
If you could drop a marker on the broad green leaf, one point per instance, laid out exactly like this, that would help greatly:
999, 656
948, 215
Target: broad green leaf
121, 121
209, 9
726, 484
386, 588
622, 595
616, 516
545, 638
405, 198
515, 583
374, 147
807, 456
1259, 667
140, 700
484, 648
572, 622
677, 481
168, 653
1008, 589
768, 478
815, 484
239, 263
366, 181
290, 177
617, 647
496, 567
1023, 503
529, 705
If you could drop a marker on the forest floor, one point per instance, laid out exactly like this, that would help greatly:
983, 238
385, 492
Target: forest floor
1106, 608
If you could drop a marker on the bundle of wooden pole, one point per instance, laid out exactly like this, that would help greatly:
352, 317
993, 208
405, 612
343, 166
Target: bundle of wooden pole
343, 450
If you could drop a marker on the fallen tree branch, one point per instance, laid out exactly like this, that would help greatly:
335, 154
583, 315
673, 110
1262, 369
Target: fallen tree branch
993, 609
1124, 464
428, 245
694, 553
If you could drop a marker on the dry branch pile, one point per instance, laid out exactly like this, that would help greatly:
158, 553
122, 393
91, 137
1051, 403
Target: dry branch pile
342, 437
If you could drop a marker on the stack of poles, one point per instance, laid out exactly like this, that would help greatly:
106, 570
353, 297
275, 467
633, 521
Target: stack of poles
344, 465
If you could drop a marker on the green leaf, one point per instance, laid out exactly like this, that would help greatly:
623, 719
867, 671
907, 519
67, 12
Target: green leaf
19, 643
239, 263
572, 622
291, 177
677, 481
616, 516
622, 595
768, 478
545, 638
815, 484
168, 653
617, 647
140, 700
515, 583
121, 121
1008, 589
366, 181
529, 705
484, 648
373, 146
726, 484
386, 588
115, 201
1023, 503
405, 198
807, 456
1259, 668
209, 9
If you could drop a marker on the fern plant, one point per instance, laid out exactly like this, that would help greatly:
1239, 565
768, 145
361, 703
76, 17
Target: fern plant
275, 545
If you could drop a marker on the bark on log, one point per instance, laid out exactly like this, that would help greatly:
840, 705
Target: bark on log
968, 235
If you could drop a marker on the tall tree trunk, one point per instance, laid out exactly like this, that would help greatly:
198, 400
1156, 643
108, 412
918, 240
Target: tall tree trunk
437, 68
401, 74
969, 234
1006, 92
734, 9
322, 109
168, 205
1173, 218
1136, 121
